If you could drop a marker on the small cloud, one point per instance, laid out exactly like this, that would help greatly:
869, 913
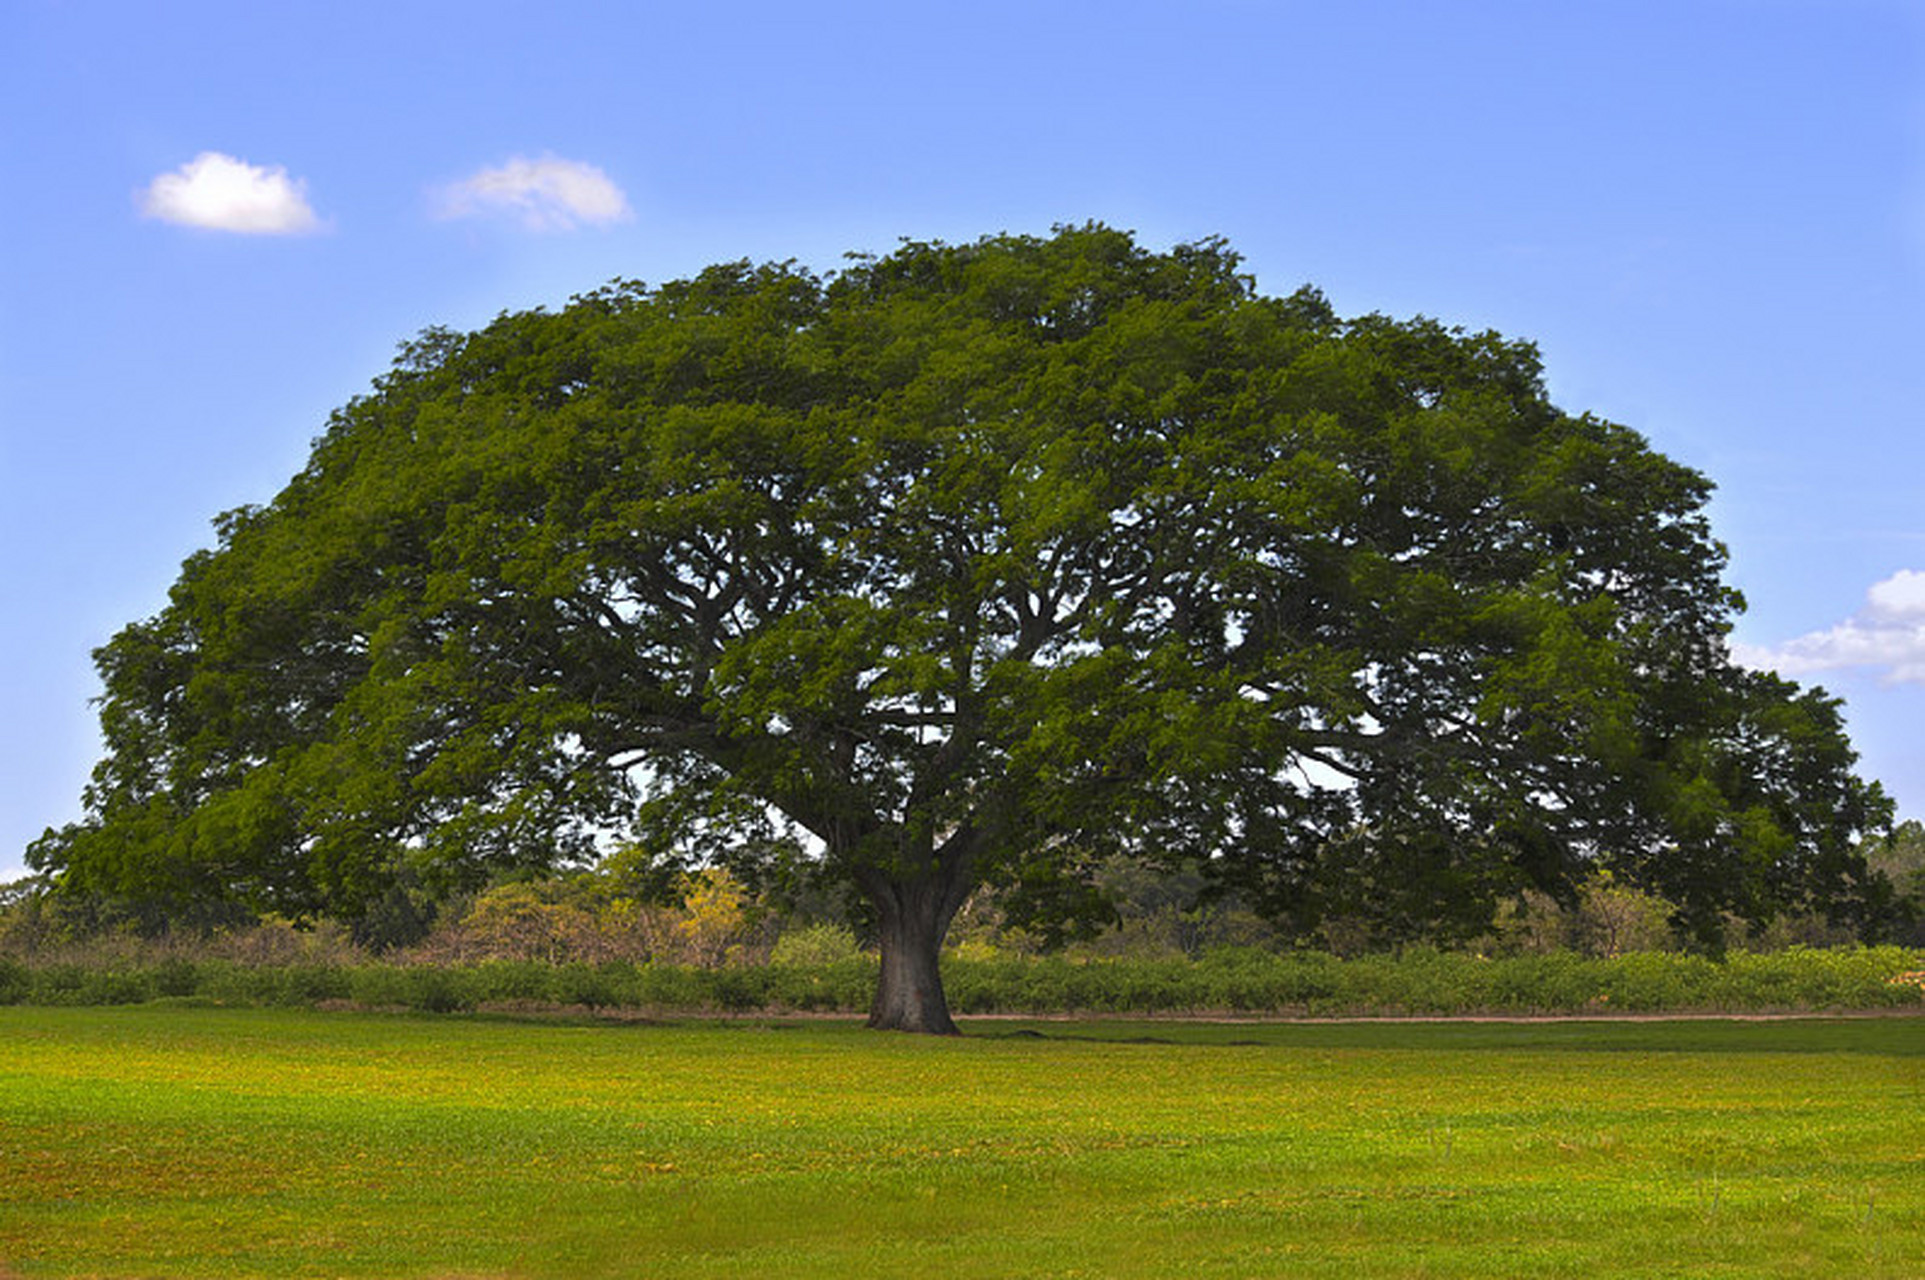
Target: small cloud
1900, 596
1888, 633
221, 193
549, 194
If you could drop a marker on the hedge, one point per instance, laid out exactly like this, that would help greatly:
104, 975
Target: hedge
1232, 981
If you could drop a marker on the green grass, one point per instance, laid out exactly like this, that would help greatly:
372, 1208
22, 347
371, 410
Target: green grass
158, 1140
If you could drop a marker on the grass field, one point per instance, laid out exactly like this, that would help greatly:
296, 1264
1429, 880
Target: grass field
157, 1140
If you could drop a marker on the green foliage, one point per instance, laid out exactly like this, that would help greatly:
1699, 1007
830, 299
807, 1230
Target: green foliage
523, 918
1226, 980
1899, 857
818, 944
590, 918
1607, 918
15, 981
973, 564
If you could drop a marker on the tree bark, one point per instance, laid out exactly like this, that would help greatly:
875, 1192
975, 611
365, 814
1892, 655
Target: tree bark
912, 920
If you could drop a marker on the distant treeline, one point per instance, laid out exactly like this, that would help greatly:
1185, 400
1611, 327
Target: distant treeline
710, 919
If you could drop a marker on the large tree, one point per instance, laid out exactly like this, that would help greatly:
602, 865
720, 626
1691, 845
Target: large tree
969, 564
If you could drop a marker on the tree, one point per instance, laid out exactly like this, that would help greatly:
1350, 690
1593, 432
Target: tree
1900, 859
969, 564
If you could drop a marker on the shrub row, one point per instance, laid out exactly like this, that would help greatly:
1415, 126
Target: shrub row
1429, 982
1415, 982
450, 988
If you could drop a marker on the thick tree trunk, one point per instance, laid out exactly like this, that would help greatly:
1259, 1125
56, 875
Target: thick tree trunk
912, 920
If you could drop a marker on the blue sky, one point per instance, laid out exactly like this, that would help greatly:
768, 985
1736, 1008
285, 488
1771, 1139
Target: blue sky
218, 220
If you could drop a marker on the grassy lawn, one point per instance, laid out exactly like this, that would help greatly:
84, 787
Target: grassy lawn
174, 1141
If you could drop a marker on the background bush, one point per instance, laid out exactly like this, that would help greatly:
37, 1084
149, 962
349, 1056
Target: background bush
1226, 981
606, 940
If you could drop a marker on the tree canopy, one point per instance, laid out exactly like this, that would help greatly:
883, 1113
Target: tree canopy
969, 564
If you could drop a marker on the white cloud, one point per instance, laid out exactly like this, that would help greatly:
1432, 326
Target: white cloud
1888, 634
1900, 596
224, 194
549, 194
